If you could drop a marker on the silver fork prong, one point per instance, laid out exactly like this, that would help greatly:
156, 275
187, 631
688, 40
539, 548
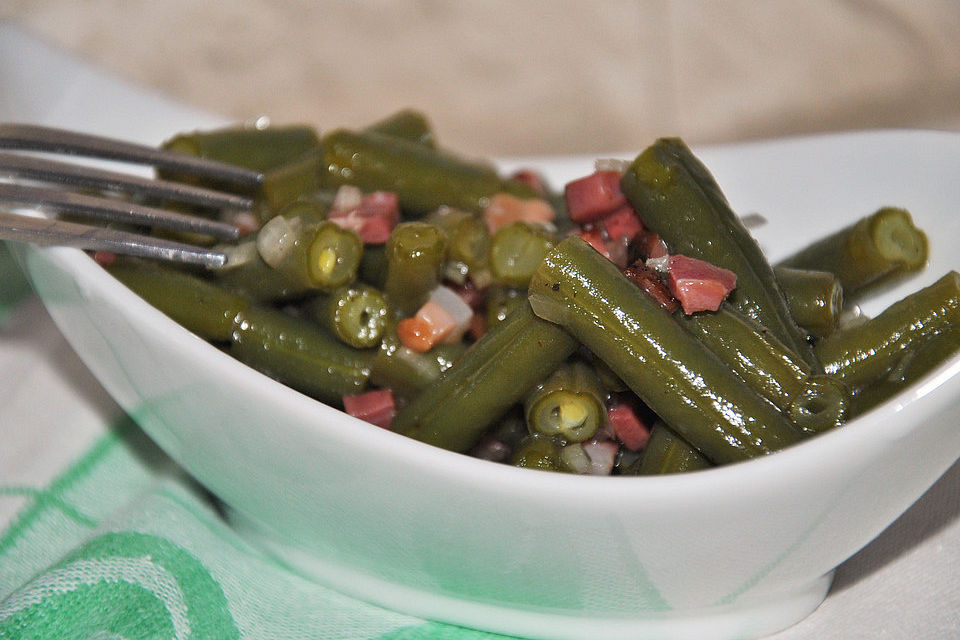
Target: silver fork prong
27, 137
57, 201
52, 171
51, 232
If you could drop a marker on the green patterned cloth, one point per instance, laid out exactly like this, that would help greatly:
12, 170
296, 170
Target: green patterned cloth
103, 537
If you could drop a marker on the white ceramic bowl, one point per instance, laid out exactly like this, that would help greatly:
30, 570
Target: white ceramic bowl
736, 551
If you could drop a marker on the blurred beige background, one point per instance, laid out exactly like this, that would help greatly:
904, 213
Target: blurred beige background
520, 78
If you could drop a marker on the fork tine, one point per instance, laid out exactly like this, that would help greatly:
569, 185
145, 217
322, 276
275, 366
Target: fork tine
46, 170
47, 232
115, 210
26, 137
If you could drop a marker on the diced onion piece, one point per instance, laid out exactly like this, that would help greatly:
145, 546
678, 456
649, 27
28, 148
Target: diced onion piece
276, 239
426, 329
458, 309
574, 459
347, 198
376, 407
602, 454
611, 164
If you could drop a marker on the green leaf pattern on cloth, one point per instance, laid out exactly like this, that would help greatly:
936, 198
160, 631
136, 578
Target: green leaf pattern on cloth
123, 545
128, 584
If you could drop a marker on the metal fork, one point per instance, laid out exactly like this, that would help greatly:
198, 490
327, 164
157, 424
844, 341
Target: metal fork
32, 181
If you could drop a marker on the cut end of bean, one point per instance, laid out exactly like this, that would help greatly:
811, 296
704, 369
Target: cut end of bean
898, 239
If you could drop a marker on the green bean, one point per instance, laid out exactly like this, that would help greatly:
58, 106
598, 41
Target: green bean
373, 265
423, 179
290, 350
515, 252
261, 149
407, 124
334, 256
306, 257
815, 298
912, 365
681, 380
416, 254
407, 372
296, 353
814, 402
468, 239
501, 302
290, 181
568, 405
677, 197
492, 376
864, 353
666, 452
357, 315
868, 252
201, 306
537, 452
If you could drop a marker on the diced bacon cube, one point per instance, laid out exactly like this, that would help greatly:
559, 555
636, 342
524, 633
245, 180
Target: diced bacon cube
532, 179
628, 427
651, 245
590, 198
594, 238
504, 209
649, 281
613, 250
376, 407
622, 223
104, 258
373, 218
697, 284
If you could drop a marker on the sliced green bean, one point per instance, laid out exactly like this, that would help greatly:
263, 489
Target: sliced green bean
334, 255
407, 124
407, 372
537, 452
501, 302
911, 367
416, 253
515, 252
868, 252
292, 180
492, 376
306, 257
568, 405
298, 354
815, 298
681, 380
677, 197
261, 149
357, 315
864, 353
468, 239
814, 402
666, 452
201, 306
423, 179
